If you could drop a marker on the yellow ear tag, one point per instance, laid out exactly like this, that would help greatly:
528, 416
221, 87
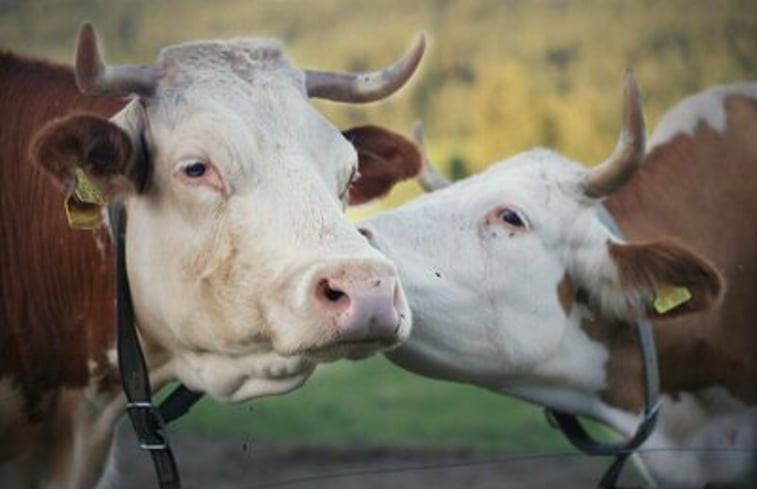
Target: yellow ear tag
669, 298
83, 205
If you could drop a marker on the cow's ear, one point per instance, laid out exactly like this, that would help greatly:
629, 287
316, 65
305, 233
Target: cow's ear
385, 158
656, 279
108, 154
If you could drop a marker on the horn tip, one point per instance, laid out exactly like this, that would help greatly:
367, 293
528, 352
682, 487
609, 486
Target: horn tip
87, 36
86, 25
630, 80
631, 95
420, 43
88, 61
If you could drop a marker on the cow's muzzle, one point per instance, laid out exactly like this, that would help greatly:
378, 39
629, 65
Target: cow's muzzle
361, 307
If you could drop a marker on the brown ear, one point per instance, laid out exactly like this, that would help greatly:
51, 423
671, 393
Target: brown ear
96, 145
385, 158
652, 268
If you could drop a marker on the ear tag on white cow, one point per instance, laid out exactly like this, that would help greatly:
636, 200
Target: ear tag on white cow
668, 298
83, 205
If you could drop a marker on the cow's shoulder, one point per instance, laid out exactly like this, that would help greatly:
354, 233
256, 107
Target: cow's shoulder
712, 108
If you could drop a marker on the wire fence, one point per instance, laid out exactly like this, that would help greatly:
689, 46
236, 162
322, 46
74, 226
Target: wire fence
530, 457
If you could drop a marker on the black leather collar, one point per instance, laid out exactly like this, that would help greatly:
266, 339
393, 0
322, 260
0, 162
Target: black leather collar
574, 431
147, 419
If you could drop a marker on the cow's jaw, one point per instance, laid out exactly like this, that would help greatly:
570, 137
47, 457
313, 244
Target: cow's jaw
234, 379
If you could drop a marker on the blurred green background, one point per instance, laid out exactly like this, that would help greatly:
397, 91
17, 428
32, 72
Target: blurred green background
499, 76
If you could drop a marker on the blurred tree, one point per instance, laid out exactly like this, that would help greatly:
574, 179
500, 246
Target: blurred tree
562, 58
458, 168
742, 42
127, 29
10, 6
550, 131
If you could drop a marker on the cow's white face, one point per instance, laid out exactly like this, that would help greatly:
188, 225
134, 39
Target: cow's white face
243, 270
505, 270
482, 262
502, 269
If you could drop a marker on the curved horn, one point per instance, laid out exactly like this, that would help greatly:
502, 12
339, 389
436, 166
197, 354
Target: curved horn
94, 77
429, 179
365, 87
616, 170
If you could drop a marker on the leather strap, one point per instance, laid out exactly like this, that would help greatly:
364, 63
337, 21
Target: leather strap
148, 420
574, 431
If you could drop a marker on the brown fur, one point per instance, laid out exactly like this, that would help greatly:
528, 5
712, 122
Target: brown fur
566, 293
385, 159
56, 303
96, 145
623, 366
653, 266
703, 192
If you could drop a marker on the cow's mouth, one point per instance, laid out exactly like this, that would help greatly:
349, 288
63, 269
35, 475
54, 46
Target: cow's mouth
350, 349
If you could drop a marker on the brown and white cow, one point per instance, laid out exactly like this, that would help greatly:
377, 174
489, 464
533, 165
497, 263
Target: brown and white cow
516, 284
243, 270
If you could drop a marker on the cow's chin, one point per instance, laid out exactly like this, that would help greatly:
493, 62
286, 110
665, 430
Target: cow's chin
231, 379
240, 378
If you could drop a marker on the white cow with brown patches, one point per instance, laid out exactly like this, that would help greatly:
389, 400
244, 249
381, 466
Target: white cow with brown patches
243, 270
518, 284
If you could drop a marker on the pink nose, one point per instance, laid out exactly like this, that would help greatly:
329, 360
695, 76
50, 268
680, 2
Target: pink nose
361, 306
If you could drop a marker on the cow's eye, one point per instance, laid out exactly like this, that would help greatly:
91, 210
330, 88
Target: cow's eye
512, 218
195, 169
198, 171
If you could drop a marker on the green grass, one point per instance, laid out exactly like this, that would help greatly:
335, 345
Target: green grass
373, 402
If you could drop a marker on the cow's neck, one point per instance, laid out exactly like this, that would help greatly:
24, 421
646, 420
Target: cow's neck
572, 379
598, 371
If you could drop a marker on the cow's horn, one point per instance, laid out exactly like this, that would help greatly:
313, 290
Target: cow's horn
94, 77
628, 155
365, 87
429, 179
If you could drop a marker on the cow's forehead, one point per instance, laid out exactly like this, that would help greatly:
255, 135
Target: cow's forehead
222, 64
534, 168
535, 178
246, 89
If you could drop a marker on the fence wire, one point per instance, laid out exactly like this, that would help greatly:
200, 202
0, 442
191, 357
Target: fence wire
527, 457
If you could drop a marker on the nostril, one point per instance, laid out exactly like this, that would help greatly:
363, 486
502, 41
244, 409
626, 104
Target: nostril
334, 294
330, 293
366, 232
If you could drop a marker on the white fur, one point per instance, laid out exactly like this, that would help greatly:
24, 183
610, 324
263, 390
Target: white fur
707, 107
